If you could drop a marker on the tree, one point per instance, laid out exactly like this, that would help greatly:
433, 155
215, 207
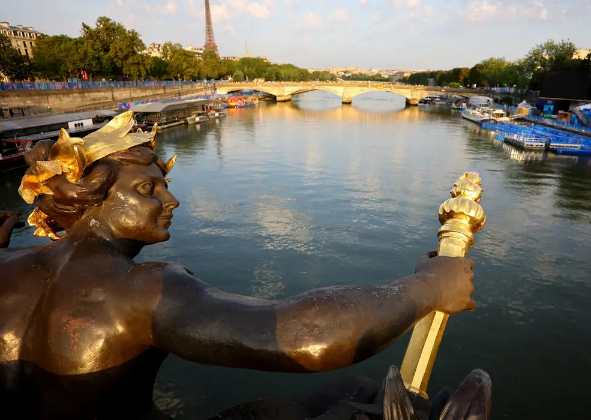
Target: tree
491, 69
514, 75
238, 76
182, 64
476, 76
271, 75
211, 65
57, 57
110, 50
227, 67
459, 74
548, 56
159, 68
12, 64
252, 67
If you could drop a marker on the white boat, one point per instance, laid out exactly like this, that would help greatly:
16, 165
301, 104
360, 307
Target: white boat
216, 114
474, 115
428, 100
197, 118
498, 115
480, 101
459, 105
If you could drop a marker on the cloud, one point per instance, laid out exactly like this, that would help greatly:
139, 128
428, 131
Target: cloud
477, 11
167, 9
362, 1
230, 29
237, 5
129, 20
341, 15
543, 10
219, 13
311, 20
122, 3
258, 10
406, 3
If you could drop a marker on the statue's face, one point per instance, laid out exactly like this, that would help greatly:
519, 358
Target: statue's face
139, 205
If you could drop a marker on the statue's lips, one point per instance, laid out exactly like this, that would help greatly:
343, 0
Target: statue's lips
166, 216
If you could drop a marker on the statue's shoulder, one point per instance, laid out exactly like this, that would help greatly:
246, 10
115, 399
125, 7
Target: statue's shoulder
17, 255
22, 265
162, 271
162, 267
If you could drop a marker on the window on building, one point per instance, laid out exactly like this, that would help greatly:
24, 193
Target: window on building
26, 52
18, 44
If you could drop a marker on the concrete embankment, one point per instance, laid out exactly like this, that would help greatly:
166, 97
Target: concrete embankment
64, 100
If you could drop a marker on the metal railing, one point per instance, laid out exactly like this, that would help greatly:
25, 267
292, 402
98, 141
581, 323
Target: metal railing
15, 86
559, 124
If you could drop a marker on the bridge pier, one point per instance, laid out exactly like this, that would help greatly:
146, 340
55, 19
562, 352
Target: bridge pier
283, 98
347, 101
412, 102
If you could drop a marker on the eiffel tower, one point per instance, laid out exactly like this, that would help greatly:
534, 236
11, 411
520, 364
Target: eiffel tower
209, 39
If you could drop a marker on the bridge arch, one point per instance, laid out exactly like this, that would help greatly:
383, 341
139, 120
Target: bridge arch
283, 91
405, 95
230, 89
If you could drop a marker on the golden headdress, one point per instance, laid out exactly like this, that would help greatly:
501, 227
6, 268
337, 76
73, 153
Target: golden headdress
72, 155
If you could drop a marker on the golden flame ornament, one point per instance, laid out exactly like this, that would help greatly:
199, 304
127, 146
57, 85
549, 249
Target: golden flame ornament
460, 216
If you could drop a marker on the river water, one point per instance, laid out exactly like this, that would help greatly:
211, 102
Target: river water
282, 198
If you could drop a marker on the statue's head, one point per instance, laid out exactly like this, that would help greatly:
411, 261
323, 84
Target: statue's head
110, 179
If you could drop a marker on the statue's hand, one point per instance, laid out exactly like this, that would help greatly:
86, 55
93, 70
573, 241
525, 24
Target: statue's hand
451, 277
8, 221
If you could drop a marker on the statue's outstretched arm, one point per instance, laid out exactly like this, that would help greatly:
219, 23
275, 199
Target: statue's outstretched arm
319, 330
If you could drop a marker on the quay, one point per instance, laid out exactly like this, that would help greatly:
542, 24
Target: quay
87, 96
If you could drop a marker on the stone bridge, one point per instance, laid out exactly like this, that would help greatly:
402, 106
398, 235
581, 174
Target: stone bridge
283, 91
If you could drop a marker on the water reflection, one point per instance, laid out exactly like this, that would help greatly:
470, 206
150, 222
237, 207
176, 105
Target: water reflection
283, 228
267, 280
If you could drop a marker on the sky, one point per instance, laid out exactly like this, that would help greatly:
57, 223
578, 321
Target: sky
384, 34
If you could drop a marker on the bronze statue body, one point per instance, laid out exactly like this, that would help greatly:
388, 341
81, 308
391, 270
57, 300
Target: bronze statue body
84, 329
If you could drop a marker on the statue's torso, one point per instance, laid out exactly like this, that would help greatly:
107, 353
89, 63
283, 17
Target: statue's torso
75, 334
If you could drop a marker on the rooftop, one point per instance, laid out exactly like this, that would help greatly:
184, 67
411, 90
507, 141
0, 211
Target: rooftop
168, 106
40, 121
6, 25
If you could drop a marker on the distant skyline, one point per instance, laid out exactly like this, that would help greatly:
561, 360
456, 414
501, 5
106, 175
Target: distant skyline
386, 34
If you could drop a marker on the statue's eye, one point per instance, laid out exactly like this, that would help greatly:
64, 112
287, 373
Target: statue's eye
147, 188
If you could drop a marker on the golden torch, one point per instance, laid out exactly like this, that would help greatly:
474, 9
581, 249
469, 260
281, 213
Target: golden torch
461, 216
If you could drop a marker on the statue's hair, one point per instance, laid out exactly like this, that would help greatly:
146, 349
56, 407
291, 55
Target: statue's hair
69, 201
